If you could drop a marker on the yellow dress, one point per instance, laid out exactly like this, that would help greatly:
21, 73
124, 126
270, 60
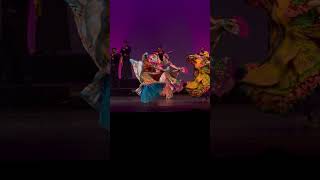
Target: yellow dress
292, 70
201, 83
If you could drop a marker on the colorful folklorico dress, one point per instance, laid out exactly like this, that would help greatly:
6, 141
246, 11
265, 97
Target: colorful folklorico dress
201, 84
291, 73
157, 78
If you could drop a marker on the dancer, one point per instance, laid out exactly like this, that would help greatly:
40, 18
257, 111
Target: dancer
126, 72
157, 77
91, 20
150, 88
201, 83
292, 71
169, 74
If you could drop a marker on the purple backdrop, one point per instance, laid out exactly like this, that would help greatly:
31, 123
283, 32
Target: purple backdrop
182, 26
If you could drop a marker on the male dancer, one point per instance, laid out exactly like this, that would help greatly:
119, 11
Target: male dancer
125, 59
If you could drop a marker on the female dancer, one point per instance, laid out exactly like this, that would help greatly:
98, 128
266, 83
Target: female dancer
169, 74
157, 77
91, 20
201, 84
292, 71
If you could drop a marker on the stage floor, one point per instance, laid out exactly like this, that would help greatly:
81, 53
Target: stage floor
177, 104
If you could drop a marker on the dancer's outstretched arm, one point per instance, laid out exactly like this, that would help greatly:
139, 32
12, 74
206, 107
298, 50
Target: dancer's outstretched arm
175, 67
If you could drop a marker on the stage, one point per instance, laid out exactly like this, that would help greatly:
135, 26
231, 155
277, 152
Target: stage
164, 129
178, 103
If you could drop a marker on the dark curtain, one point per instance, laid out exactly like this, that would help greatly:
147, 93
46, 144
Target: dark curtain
14, 45
1, 17
52, 31
15, 25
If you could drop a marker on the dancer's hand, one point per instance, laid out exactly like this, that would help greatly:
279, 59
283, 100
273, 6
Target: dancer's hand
184, 70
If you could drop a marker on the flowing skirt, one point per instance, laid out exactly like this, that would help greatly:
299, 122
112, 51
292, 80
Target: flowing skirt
137, 68
201, 84
97, 94
151, 92
290, 75
91, 20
